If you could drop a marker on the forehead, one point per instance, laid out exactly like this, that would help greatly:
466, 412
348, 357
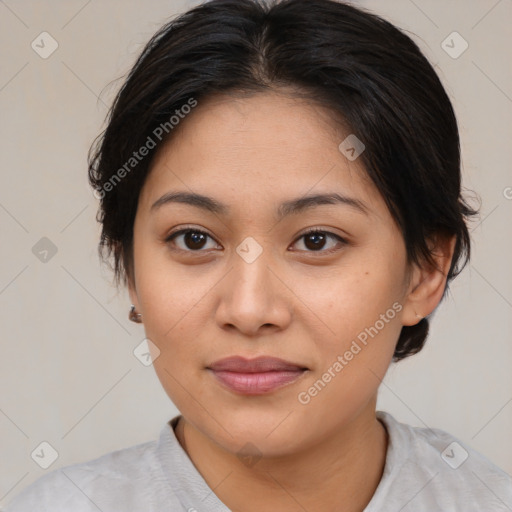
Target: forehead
267, 145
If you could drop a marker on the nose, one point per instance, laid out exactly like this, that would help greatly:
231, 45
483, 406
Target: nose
254, 299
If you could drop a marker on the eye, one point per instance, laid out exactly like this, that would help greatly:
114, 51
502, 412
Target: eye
193, 239
315, 240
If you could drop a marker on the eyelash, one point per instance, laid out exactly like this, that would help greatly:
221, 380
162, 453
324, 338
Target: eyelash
310, 231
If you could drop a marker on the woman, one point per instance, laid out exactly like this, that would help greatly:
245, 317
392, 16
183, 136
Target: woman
280, 191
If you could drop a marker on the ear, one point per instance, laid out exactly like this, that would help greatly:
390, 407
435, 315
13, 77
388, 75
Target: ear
132, 291
427, 283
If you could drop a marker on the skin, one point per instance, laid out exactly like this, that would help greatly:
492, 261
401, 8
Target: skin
293, 302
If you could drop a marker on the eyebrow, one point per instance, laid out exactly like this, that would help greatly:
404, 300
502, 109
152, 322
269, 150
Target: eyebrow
291, 207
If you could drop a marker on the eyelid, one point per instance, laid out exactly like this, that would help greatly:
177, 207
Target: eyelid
184, 229
317, 229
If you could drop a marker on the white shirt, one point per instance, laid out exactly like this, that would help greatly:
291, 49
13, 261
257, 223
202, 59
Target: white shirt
426, 470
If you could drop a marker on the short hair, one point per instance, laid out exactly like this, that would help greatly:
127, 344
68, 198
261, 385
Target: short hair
368, 73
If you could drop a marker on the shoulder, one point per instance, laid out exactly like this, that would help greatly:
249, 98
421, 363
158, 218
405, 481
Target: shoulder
105, 483
437, 471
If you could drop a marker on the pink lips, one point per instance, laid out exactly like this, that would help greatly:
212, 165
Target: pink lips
255, 376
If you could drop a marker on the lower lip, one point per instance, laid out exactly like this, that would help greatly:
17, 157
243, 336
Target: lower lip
257, 383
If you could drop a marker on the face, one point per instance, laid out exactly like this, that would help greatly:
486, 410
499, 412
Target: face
240, 275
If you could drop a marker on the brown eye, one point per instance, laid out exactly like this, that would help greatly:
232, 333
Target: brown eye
192, 240
316, 240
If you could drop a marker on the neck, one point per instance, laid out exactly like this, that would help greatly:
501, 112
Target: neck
344, 469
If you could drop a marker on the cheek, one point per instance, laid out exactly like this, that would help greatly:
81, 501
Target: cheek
357, 299
174, 320
174, 313
352, 364
167, 291
362, 310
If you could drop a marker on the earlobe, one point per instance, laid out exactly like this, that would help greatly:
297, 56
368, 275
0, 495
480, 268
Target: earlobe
134, 315
132, 292
428, 282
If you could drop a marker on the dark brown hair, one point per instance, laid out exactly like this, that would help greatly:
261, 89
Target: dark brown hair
360, 66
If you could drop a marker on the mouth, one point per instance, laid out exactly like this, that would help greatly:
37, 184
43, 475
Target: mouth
255, 376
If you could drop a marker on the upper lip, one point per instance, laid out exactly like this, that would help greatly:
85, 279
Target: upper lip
260, 364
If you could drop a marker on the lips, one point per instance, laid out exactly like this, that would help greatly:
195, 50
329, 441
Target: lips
255, 376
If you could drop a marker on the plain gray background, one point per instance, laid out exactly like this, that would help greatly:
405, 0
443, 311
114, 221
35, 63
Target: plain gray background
68, 374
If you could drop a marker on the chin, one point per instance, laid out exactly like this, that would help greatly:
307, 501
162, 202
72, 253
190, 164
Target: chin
270, 431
